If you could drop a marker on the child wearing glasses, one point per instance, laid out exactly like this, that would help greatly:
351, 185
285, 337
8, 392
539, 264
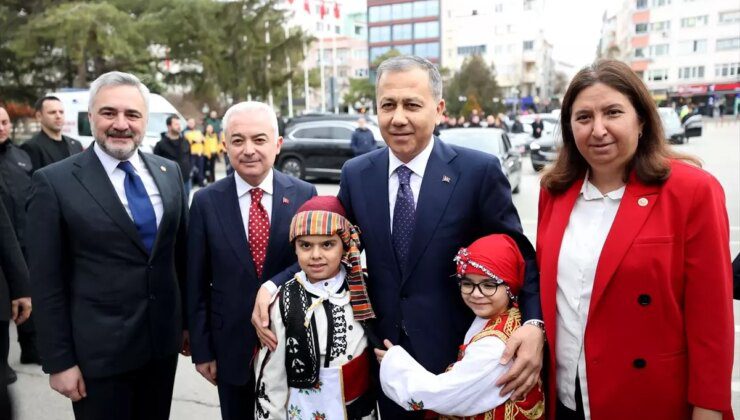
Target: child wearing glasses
490, 273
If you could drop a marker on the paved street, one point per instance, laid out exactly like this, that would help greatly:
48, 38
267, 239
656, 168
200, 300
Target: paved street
194, 398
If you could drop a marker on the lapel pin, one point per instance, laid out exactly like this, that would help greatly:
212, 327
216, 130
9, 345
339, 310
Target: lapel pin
446, 179
642, 202
285, 200
163, 168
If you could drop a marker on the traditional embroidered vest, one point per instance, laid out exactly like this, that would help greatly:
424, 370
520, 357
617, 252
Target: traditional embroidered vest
531, 407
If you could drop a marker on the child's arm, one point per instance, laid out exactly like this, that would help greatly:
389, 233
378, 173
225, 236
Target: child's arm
469, 388
271, 394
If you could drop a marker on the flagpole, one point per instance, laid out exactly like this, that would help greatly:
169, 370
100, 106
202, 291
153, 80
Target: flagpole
335, 88
290, 78
321, 71
267, 67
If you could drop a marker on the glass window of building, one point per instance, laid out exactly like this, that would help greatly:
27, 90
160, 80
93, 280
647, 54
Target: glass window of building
693, 72
692, 46
471, 50
639, 52
528, 45
694, 21
658, 50
661, 26
661, 3
425, 8
427, 49
406, 49
376, 52
641, 28
401, 32
641, 4
402, 11
732, 16
727, 70
379, 13
499, 7
380, 34
426, 30
657, 75
726, 44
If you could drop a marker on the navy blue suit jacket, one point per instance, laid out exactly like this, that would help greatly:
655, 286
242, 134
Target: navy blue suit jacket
222, 280
464, 195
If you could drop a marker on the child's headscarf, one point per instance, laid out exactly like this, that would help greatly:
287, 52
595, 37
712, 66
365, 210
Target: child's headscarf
496, 256
324, 215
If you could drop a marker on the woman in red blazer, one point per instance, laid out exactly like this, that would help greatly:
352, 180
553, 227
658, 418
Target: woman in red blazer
633, 250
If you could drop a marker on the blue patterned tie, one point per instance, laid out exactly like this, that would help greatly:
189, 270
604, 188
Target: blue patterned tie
140, 205
403, 215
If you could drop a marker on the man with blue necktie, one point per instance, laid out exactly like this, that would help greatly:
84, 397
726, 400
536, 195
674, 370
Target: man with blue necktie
107, 260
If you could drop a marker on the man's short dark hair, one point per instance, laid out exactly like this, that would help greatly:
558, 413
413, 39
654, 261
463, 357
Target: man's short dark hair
170, 118
39, 105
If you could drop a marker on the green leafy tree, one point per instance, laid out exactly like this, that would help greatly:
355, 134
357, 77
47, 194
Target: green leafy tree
360, 90
473, 86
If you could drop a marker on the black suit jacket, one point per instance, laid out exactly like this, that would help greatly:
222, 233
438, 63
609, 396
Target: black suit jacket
100, 300
40, 149
13, 271
222, 281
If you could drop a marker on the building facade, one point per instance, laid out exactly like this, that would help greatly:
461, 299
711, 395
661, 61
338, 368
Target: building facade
685, 50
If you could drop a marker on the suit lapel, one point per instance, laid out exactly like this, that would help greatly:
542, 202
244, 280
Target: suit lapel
230, 217
283, 207
166, 192
637, 203
553, 238
92, 176
375, 188
440, 178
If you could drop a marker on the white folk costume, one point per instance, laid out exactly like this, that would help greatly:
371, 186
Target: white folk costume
320, 369
468, 388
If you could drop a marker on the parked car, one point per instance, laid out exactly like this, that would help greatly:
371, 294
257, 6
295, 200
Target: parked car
319, 116
493, 141
693, 126
545, 149
77, 125
525, 139
319, 148
672, 128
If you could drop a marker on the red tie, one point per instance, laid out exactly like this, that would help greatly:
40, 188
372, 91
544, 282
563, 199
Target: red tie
259, 230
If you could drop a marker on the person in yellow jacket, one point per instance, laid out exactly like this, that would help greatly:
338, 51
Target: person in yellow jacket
212, 152
197, 146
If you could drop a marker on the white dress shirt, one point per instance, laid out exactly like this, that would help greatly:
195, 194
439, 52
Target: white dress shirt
245, 198
417, 165
117, 177
588, 227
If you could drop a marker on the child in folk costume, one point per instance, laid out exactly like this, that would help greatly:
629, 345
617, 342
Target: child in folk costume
490, 273
321, 366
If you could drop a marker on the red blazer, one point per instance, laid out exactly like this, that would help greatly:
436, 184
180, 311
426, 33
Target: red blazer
660, 331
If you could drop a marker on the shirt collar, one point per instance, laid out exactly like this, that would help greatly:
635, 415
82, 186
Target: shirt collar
590, 192
327, 287
243, 187
417, 165
110, 163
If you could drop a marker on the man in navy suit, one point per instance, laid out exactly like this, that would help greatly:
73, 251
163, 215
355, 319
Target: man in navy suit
106, 253
417, 202
238, 240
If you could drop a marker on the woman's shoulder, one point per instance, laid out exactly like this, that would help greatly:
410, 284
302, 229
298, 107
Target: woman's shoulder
684, 174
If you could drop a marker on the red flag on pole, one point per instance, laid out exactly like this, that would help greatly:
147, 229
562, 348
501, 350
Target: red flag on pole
323, 10
336, 9
306, 6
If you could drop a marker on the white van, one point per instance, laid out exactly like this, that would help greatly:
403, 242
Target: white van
77, 125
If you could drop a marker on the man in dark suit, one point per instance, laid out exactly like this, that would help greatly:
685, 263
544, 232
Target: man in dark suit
107, 254
238, 239
417, 202
15, 303
49, 145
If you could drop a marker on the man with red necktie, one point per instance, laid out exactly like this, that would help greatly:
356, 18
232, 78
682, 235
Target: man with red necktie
237, 241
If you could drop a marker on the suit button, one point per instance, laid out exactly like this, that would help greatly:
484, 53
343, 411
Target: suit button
644, 300
639, 363
349, 328
349, 357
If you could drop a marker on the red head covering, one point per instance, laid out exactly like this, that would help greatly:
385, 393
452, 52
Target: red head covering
325, 203
493, 255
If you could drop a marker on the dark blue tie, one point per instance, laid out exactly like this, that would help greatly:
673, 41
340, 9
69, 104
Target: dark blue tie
403, 215
140, 205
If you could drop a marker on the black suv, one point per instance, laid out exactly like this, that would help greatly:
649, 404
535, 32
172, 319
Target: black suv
319, 148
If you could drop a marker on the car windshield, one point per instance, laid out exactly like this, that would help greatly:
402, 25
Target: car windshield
484, 139
158, 123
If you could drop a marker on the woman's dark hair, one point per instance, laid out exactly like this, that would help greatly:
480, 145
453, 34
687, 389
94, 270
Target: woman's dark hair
651, 161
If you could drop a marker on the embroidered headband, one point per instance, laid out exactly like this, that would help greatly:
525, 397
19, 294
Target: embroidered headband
324, 215
496, 256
